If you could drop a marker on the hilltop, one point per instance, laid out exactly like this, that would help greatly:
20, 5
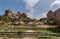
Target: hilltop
9, 18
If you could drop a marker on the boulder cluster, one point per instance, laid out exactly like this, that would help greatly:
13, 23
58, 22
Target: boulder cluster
10, 14
12, 18
55, 15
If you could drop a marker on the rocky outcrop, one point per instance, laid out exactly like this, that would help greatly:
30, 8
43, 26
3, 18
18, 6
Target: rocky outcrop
54, 15
57, 16
8, 13
18, 15
50, 14
24, 15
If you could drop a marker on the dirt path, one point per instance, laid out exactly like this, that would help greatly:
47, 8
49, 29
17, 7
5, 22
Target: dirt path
27, 38
29, 31
45, 26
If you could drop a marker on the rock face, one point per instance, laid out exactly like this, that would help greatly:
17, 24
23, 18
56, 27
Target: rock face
50, 14
8, 13
54, 15
18, 15
57, 16
24, 15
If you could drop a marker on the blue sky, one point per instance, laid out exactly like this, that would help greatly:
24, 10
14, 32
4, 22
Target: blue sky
34, 8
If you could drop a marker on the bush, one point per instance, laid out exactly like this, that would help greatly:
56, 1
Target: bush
55, 30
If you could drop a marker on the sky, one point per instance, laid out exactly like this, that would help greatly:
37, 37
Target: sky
33, 8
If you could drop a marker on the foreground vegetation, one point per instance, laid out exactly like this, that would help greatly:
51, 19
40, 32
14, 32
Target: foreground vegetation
22, 28
26, 24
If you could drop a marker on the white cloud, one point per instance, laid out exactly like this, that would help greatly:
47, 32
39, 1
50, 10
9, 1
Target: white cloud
31, 3
45, 14
55, 4
29, 6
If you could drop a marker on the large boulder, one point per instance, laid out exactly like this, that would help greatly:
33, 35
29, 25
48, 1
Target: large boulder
50, 14
57, 16
8, 13
54, 15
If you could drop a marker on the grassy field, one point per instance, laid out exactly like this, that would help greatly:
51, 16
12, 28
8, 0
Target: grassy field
46, 29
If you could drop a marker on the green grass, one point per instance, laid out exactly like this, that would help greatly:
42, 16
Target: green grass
4, 28
45, 38
34, 27
55, 30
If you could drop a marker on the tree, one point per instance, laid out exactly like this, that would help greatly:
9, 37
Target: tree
5, 19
